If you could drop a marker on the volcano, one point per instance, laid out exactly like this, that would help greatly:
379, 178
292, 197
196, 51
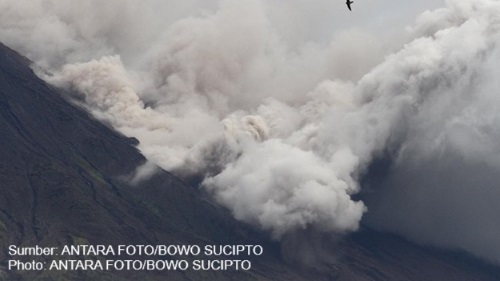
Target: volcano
65, 179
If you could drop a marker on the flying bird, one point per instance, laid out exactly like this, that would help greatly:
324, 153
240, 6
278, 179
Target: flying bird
348, 2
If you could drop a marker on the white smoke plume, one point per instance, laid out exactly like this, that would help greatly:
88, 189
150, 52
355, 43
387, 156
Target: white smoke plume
279, 125
220, 103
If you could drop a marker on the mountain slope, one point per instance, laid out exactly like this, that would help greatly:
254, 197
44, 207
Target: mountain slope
60, 180
63, 181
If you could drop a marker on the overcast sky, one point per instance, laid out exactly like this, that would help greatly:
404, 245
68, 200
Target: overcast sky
320, 20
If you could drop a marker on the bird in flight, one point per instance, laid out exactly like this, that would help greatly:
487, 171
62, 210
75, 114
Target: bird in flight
348, 2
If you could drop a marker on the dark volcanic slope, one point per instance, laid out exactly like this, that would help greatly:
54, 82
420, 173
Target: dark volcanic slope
60, 184
59, 181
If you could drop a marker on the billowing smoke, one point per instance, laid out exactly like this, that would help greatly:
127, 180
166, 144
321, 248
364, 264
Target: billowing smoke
443, 185
279, 124
217, 102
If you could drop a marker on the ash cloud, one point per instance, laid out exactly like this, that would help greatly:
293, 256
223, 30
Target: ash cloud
279, 125
443, 185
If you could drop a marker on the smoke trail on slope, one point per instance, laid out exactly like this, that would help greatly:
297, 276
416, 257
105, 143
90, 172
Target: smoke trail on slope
282, 142
209, 115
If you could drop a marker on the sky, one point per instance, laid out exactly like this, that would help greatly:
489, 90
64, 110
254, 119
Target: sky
281, 110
